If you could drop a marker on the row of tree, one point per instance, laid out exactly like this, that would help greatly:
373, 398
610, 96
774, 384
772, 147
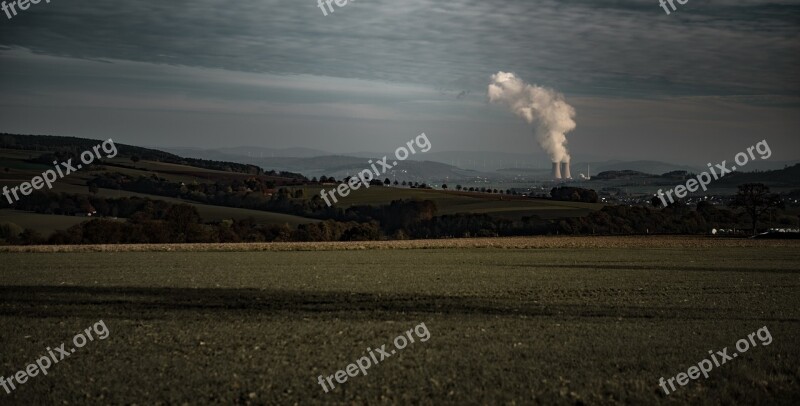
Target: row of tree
153, 221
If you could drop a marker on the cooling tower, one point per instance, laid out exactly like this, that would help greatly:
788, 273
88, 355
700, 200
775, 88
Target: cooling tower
556, 170
565, 170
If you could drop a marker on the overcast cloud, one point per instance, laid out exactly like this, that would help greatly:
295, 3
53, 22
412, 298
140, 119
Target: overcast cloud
713, 76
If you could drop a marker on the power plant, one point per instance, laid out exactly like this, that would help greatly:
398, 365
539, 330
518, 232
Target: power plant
561, 170
545, 109
565, 170
556, 170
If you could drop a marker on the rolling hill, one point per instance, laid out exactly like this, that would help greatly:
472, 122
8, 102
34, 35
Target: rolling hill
20, 165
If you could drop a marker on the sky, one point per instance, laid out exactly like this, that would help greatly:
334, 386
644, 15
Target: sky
698, 85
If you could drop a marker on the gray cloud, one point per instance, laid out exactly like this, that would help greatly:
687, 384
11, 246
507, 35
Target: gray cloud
373, 72
598, 47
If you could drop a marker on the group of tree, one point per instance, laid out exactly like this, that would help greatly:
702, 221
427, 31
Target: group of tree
256, 192
573, 194
129, 220
755, 199
482, 190
157, 221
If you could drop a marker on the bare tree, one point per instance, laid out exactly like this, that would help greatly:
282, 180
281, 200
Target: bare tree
756, 200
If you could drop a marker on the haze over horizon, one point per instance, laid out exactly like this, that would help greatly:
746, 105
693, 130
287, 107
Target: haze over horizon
696, 86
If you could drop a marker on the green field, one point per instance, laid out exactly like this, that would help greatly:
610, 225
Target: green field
76, 184
508, 326
211, 213
47, 224
451, 202
41, 223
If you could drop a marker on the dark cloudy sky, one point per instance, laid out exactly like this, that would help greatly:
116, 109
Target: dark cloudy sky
696, 86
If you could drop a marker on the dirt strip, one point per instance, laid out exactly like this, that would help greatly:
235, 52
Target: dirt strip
537, 242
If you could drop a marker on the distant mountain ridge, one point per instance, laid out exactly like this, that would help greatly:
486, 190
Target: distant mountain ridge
296, 152
452, 165
340, 166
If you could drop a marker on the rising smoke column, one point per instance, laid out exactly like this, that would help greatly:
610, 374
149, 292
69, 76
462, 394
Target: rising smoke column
542, 107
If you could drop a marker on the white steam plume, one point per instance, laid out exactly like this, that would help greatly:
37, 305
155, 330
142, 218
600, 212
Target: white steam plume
545, 108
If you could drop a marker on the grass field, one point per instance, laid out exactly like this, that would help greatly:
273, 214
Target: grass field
217, 213
47, 224
42, 223
452, 202
76, 184
539, 325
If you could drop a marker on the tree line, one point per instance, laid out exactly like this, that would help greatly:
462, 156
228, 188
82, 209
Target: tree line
143, 220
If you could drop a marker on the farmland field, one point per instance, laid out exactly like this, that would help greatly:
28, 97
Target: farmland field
42, 223
511, 321
452, 202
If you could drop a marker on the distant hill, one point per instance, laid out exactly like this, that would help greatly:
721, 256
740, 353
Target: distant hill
340, 166
449, 166
73, 146
437, 166
133, 200
650, 167
656, 167
787, 177
624, 174
263, 152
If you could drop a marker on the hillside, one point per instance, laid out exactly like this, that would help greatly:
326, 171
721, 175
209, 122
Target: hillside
786, 177
135, 201
162, 176
417, 168
73, 146
454, 202
22, 160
